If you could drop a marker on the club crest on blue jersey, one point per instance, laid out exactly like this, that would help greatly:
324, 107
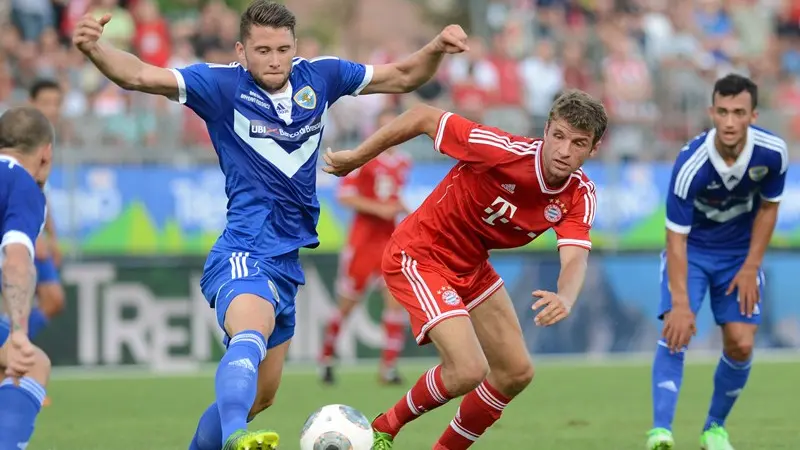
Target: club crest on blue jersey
757, 173
306, 98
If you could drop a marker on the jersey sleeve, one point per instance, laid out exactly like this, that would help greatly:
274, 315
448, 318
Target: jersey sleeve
343, 77
683, 187
773, 183
479, 145
201, 87
23, 218
577, 224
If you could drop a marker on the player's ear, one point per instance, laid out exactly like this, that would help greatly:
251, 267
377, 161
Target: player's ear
240, 54
754, 117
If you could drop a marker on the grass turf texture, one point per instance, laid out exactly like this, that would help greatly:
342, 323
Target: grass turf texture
573, 406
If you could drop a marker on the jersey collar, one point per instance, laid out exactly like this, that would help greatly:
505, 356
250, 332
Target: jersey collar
10, 159
731, 175
540, 175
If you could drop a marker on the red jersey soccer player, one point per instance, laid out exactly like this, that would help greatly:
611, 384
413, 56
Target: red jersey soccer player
504, 192
373, 192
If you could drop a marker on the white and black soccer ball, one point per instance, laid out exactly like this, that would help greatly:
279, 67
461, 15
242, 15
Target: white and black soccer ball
336, 427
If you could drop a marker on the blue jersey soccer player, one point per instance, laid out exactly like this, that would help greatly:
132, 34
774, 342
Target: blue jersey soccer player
26, 138
722, 207
265, 116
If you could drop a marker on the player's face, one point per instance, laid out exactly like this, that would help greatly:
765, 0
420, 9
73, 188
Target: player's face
731, 116
267, 53
48, 101
565, 148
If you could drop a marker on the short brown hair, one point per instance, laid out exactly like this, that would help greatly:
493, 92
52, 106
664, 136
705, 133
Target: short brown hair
264, 13
25, 130
582, 111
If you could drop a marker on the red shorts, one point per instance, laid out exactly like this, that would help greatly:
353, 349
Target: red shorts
359, 270
431, 293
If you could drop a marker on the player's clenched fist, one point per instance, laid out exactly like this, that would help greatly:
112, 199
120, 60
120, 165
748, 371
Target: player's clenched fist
555, 309
342, 162
88, 32
453, 39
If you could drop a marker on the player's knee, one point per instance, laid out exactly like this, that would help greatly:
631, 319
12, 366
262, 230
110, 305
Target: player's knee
739, 349
465, 375
41, 368
516, 378
250, 312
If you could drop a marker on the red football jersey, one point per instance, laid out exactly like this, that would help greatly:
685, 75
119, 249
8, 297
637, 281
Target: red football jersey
381, 179
495, 197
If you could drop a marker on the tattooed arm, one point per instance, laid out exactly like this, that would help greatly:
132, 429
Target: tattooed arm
19, 283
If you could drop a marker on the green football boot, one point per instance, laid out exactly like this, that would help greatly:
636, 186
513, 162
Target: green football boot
252, 440
715, 438
660, 439
382, 441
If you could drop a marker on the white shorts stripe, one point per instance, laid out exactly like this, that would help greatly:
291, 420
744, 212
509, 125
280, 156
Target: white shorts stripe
423, 302
436, 311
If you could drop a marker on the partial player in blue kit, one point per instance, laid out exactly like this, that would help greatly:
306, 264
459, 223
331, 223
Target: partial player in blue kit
266, 115
722, 207
26, 138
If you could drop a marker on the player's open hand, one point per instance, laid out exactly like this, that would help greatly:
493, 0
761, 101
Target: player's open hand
342, 162
746, 283
21, 354
453, 39
555, 309
679, 327
88, 32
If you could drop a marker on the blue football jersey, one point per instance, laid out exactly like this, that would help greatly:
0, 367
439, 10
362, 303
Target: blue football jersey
716, 204
267, 146
22, 206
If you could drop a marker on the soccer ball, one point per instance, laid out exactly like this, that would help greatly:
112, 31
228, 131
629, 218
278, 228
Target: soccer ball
336, 427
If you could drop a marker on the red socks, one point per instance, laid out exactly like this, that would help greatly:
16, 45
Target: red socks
427, 394
478, 411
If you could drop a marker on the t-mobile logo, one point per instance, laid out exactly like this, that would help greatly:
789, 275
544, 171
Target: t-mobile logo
506, 209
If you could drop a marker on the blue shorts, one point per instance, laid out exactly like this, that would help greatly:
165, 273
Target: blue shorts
712, 274
46, 271
275, 279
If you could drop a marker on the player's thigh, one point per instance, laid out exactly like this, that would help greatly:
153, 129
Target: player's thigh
424, 292
464, 365
726, 307
269, 377
497, 327
697, 285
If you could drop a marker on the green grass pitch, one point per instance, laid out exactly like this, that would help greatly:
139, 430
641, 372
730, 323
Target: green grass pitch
569, 406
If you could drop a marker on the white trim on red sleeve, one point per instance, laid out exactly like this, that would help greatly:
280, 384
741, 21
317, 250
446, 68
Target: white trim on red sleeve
437, 143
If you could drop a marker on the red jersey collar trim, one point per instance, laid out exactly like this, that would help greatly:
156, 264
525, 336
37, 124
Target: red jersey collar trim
540, 175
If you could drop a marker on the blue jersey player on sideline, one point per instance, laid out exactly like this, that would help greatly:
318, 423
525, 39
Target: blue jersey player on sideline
265, 115
722, 207
26, 138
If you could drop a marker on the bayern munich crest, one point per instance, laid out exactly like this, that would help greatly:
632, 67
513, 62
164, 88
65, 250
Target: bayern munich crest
554, 211
449, 296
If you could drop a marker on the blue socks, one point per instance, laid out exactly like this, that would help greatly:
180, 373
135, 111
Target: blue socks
36, 322
667, 379
236, 381
209, 431
19, 406
729, 380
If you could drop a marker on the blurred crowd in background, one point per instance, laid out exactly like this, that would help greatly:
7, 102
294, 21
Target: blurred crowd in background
653, 63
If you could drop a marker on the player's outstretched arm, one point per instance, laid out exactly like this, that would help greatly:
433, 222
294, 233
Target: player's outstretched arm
421, 119
18, 283
415, 70
123, 68
557, 305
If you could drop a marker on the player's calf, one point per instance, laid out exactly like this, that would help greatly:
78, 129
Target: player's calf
511, 371
732, 372
463, 367
21, 400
